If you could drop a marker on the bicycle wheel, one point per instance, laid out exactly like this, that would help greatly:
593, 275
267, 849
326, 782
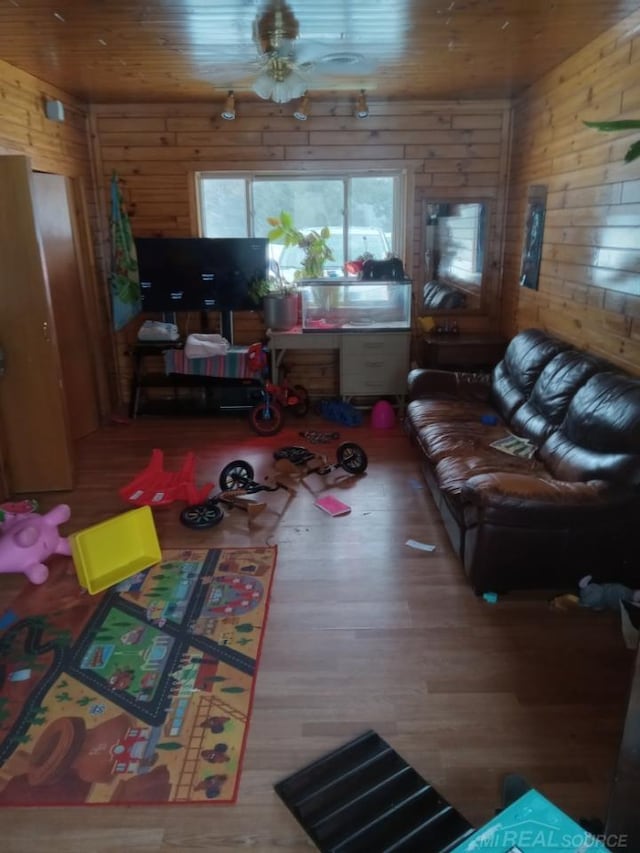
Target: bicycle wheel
201, 516
300, 408
235, 475
352, 458
294, 453
266, 419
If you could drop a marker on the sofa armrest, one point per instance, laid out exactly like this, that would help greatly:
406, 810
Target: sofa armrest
427, 382
531, 500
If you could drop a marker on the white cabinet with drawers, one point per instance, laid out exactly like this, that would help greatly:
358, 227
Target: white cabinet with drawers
374, 364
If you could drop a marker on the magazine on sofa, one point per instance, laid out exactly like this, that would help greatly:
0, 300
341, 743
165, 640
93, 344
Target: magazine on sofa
515, 445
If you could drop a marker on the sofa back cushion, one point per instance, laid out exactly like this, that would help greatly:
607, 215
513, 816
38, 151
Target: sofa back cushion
600, 435
514, 377
438, 294
552, 393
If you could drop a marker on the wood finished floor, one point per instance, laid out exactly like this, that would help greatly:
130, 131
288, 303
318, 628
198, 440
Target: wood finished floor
363, 632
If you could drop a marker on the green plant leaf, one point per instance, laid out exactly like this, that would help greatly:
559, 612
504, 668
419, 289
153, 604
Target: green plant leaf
633, 153
286, 219
623, 124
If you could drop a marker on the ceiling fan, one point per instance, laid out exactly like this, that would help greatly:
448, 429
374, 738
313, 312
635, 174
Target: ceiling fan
287, 68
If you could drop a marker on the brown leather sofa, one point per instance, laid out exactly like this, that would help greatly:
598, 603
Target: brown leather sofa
574, 507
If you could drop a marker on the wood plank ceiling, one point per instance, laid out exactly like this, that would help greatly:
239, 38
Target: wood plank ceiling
110, 51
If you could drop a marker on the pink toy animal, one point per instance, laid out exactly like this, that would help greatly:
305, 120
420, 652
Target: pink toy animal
26, 540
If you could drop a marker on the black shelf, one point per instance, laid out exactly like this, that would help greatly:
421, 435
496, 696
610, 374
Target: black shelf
365, 798
186, 394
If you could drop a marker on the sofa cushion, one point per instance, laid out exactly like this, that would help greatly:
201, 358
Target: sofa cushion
454, 472
600, 435
440, 295
552, 393
445, 427
514, 377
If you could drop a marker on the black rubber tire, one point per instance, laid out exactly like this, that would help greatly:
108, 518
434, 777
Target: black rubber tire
235, 475
295, 453
201, 516
302, 406
352, 457
266, 420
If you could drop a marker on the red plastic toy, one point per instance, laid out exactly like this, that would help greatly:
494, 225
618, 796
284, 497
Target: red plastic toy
156, 487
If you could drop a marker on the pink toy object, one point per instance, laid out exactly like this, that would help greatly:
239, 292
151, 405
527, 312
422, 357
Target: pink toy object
27, 540
382, 415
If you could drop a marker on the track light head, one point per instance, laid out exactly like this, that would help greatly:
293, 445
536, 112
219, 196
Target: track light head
303, 110
362, 108
229, 111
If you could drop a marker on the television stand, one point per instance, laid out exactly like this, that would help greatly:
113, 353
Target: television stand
226, 324
154, 391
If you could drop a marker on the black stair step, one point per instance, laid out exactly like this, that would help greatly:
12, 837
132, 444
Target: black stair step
364, 798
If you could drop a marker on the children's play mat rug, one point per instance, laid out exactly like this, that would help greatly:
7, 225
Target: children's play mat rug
141, 694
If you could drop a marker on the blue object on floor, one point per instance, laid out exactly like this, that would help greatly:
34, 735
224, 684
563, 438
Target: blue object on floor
491, 597
340, 411
7, 619
489, 420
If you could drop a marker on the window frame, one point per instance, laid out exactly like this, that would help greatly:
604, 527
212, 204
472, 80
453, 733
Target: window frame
399, 177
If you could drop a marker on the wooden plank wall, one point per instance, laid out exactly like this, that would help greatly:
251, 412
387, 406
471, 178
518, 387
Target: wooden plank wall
453, 150
60, 147
589, 290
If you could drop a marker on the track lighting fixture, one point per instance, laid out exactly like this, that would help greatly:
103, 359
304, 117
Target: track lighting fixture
362, 108
303, 110
229, 111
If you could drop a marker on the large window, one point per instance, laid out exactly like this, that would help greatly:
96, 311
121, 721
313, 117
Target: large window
362, 212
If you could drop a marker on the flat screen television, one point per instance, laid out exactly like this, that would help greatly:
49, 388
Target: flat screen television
200, 273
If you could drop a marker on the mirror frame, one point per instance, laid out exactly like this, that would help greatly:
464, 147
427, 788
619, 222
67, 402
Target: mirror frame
486, 284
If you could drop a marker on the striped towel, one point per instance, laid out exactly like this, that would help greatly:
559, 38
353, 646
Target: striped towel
234, 365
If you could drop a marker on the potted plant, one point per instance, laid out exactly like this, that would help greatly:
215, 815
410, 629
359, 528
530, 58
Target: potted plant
313, 245
278, 301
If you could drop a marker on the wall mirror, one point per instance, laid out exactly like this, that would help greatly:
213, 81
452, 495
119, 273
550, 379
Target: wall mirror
454, 254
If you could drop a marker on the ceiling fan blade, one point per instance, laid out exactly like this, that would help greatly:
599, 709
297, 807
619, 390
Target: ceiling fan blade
344, 65
332, 59
311, 51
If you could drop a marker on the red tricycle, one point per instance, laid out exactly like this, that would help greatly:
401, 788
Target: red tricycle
267, 417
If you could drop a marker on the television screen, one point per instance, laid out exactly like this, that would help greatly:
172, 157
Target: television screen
199, 273
237, 263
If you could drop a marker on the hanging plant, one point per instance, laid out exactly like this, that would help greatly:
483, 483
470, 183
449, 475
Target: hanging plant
624, 124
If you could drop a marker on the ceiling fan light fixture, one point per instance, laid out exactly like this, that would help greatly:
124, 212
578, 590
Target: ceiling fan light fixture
280, 91
362, 107
303, 110
229, 111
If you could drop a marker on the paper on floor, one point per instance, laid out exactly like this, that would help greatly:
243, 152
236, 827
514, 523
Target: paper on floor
421, 546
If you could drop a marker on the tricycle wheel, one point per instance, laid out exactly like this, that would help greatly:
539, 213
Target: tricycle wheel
235, 475
266, 418
352, 458
300, 408
201, 516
